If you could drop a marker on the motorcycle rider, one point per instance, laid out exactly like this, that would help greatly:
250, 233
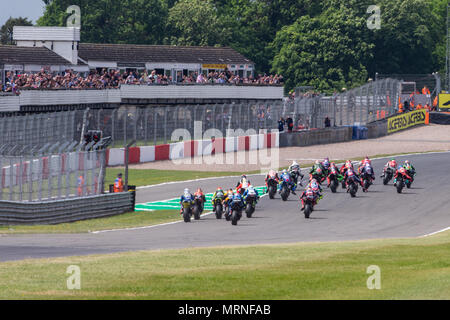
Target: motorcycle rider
219, 194
238, 197
308, 194
243, 183
367, 168
333, 170
366, 160
401, 171
199, 194
271, 175
317, 170
251, 191
292, 185
315, 186
326, 163
350, 175
391, 164
186, 197
347, 165
410, 169
295, 171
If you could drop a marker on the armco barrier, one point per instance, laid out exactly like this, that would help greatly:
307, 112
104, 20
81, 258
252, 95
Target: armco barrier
440, 117
68, 210
377, 129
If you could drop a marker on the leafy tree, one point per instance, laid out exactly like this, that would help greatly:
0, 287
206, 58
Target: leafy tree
328, 52
112, 21
195, 23
6, 31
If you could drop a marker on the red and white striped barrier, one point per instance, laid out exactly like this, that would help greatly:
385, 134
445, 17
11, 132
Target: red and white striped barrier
190, 149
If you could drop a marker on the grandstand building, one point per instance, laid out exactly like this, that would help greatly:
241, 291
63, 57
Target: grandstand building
56, 49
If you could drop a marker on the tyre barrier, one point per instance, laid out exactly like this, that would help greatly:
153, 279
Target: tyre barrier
68, 210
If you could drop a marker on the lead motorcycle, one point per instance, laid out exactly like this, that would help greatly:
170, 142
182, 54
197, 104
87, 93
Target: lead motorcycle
187, 211
236, 211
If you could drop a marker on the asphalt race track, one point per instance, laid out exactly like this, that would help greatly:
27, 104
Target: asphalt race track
380, 213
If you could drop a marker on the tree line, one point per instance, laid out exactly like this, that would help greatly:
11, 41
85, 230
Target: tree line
326, 44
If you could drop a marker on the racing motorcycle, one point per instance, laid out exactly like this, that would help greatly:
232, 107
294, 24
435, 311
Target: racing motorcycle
309, 207
250, 205
285, 189
197, 207
236, 211
352, 187
401, 182
187, 211
272, 187
318, 175
218, 205
367, 181
334, 177
387, 176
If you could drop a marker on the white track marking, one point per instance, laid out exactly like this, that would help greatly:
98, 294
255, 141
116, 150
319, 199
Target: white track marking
155, 225
433, 233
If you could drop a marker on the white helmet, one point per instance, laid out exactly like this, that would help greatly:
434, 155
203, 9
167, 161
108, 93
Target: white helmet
186, 190
294, 163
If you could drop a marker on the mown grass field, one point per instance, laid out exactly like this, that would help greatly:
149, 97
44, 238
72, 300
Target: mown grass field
410, 269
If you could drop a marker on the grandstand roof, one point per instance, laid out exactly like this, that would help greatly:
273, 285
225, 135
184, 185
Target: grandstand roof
30, 55
126, 53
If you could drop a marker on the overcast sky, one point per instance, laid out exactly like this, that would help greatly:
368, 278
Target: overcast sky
31, 9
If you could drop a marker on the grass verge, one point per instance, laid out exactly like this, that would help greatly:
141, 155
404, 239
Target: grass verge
146, 177
126, 220
410, 269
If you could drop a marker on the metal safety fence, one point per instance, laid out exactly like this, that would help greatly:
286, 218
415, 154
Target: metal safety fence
153, 125
52, 176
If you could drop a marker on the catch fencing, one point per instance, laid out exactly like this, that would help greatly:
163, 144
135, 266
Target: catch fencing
155, 125
368, 103
48, 175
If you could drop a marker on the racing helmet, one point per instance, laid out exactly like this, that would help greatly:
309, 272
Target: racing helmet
186, 191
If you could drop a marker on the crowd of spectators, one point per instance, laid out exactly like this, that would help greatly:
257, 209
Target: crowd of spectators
107, 79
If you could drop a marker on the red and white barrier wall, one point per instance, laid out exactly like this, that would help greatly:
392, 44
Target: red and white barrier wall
189, 149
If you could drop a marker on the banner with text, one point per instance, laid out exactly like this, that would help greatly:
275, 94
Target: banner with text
406, 120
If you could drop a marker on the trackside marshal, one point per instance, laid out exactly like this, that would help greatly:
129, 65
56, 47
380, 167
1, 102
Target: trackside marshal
406, 120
